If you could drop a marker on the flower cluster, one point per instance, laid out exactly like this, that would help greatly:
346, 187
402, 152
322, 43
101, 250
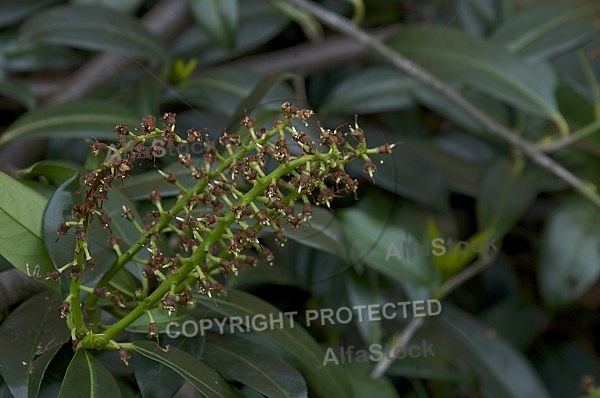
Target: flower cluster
244, 185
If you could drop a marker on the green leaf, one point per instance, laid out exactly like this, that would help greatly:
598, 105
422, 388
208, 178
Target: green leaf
364, 386
548, 30
124, 6
363, 292
218, 18
569, 264
202, 377
564, 364
17, 91
13, 11
154, 381
504, 196
81, 119
86, 377
323, 231
246, 363
21, 239
502, 371
56, 172
225, 89
456, 56
29, 339
259, 22
476, 16
372, 235
371, 90
294, 343
93, 28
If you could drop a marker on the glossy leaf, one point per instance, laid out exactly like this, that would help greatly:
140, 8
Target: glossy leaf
372, 235
569, 263
202, 377
86, 377
455, 56
372, 90
29, 339
82, 119
154, 380
246, 363
294, 343
218, 18
502, 371
548, 30
21, 238
93, 28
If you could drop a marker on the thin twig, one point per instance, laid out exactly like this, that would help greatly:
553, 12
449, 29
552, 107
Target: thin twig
562, 142
407, 334
343, 25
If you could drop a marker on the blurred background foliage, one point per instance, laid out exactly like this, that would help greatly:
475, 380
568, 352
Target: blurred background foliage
526, 325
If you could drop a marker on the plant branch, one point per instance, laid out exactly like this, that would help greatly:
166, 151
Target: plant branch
399, 342
403, 64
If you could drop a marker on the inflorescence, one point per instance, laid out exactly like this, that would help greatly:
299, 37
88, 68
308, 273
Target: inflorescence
243, 185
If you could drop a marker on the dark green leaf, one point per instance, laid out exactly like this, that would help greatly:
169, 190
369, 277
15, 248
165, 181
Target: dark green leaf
82, 119
371, 90
488, 66
364, 386
125, 6
569, 263
154, 380
476, 16
322, 232
237, 360
363, 292
218, 18
504, 196
502, 371
548, 30
13, 11
294, 343
372, 234
259, 22
29, 339
563, 367
225, 89
202, 377
21, 238
17, 91
86, 377
93, 28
